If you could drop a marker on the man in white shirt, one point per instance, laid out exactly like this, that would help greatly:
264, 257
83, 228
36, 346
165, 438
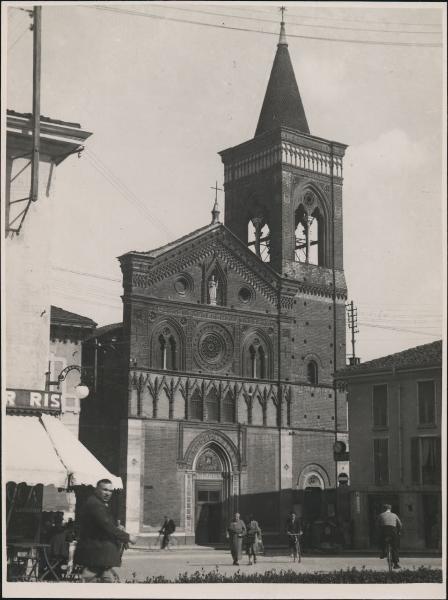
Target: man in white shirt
389, 526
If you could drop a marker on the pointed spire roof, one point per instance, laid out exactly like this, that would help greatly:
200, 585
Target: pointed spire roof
282, 104
215, 213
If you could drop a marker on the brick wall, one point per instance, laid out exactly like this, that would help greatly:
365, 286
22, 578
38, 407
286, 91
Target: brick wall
163, 484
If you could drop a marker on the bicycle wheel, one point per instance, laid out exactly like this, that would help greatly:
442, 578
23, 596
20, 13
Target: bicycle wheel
298, 550
157, 544
389, 556
172, 543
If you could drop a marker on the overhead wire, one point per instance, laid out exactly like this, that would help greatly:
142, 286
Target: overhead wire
245, 29
19, 38
127, 190
320, 18
122, 189
290, 22
85, 273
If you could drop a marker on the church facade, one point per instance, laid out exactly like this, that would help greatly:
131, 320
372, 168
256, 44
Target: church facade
216, 392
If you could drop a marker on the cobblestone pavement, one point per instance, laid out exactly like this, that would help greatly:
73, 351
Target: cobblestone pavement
172, 562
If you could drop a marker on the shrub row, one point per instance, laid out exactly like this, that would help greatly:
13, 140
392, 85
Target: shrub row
415, 575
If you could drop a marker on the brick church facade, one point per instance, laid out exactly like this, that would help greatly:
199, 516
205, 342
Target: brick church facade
216, 393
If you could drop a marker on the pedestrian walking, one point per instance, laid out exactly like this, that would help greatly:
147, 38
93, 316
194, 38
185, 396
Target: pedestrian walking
168, 528
235, 532
252, 539
100, 538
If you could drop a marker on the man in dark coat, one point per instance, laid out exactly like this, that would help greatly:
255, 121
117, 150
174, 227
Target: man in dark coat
100, 538
293, 530
168, 528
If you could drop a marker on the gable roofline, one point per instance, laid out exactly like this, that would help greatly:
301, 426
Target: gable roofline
62, 317
104, 330
198, 233
423, 356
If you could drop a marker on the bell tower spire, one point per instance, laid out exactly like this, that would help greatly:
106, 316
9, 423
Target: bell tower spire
283, 188
282, 105
282, 38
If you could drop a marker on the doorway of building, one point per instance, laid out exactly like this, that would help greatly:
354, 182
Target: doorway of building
431, 520
208, 512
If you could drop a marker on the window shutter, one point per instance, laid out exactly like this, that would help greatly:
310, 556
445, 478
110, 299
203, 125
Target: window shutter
415, 460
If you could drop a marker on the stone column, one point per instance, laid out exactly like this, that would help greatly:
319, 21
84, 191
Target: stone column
189, 503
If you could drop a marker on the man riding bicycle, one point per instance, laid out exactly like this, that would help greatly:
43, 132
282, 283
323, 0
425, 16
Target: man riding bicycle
389, 528
294, 530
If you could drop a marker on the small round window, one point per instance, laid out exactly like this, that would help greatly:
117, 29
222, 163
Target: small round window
245, 295
183, 285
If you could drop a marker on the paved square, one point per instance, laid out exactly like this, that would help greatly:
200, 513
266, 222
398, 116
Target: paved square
171, 563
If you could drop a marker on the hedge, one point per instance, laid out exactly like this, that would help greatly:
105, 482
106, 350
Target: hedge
415, 575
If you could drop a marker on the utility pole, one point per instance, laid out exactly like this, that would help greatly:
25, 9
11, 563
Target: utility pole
352, 314
37, 52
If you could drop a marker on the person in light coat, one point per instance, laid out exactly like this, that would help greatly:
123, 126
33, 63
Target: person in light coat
235, 532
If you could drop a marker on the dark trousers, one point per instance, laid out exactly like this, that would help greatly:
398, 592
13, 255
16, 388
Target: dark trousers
391, 533
165, 540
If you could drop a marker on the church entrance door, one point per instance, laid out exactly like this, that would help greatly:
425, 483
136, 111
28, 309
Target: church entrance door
208, 512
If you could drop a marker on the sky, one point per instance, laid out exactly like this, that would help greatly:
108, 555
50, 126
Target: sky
162, 94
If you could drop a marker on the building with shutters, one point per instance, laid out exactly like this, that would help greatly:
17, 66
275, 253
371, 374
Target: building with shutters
216, 393
395, 412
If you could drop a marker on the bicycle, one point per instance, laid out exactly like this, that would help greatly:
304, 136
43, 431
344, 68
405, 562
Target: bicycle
297, 551
388, 544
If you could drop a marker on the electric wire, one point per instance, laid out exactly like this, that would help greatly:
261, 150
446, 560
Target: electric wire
245, 29
121, 189
19, 38
289, 21
57, 268
320, 18
128, 191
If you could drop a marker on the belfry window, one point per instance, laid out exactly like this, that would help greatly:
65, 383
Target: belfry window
259, 238
308, 234
311, 373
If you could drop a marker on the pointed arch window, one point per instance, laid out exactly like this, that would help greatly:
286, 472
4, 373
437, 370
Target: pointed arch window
312, 372
196, 406
212, 403
228, 408
259, 238
167, 354
255, 362
309, 233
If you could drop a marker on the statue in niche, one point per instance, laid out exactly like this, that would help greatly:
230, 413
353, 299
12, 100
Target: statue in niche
212, 290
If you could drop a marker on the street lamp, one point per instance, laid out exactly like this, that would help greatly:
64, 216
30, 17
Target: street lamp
81, 390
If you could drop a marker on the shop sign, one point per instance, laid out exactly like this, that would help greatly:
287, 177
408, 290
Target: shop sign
33, 400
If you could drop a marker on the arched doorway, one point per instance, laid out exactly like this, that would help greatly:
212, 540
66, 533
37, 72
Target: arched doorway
211, 494
312, 501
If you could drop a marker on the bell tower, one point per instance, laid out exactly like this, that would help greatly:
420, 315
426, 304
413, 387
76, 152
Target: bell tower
283, 188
